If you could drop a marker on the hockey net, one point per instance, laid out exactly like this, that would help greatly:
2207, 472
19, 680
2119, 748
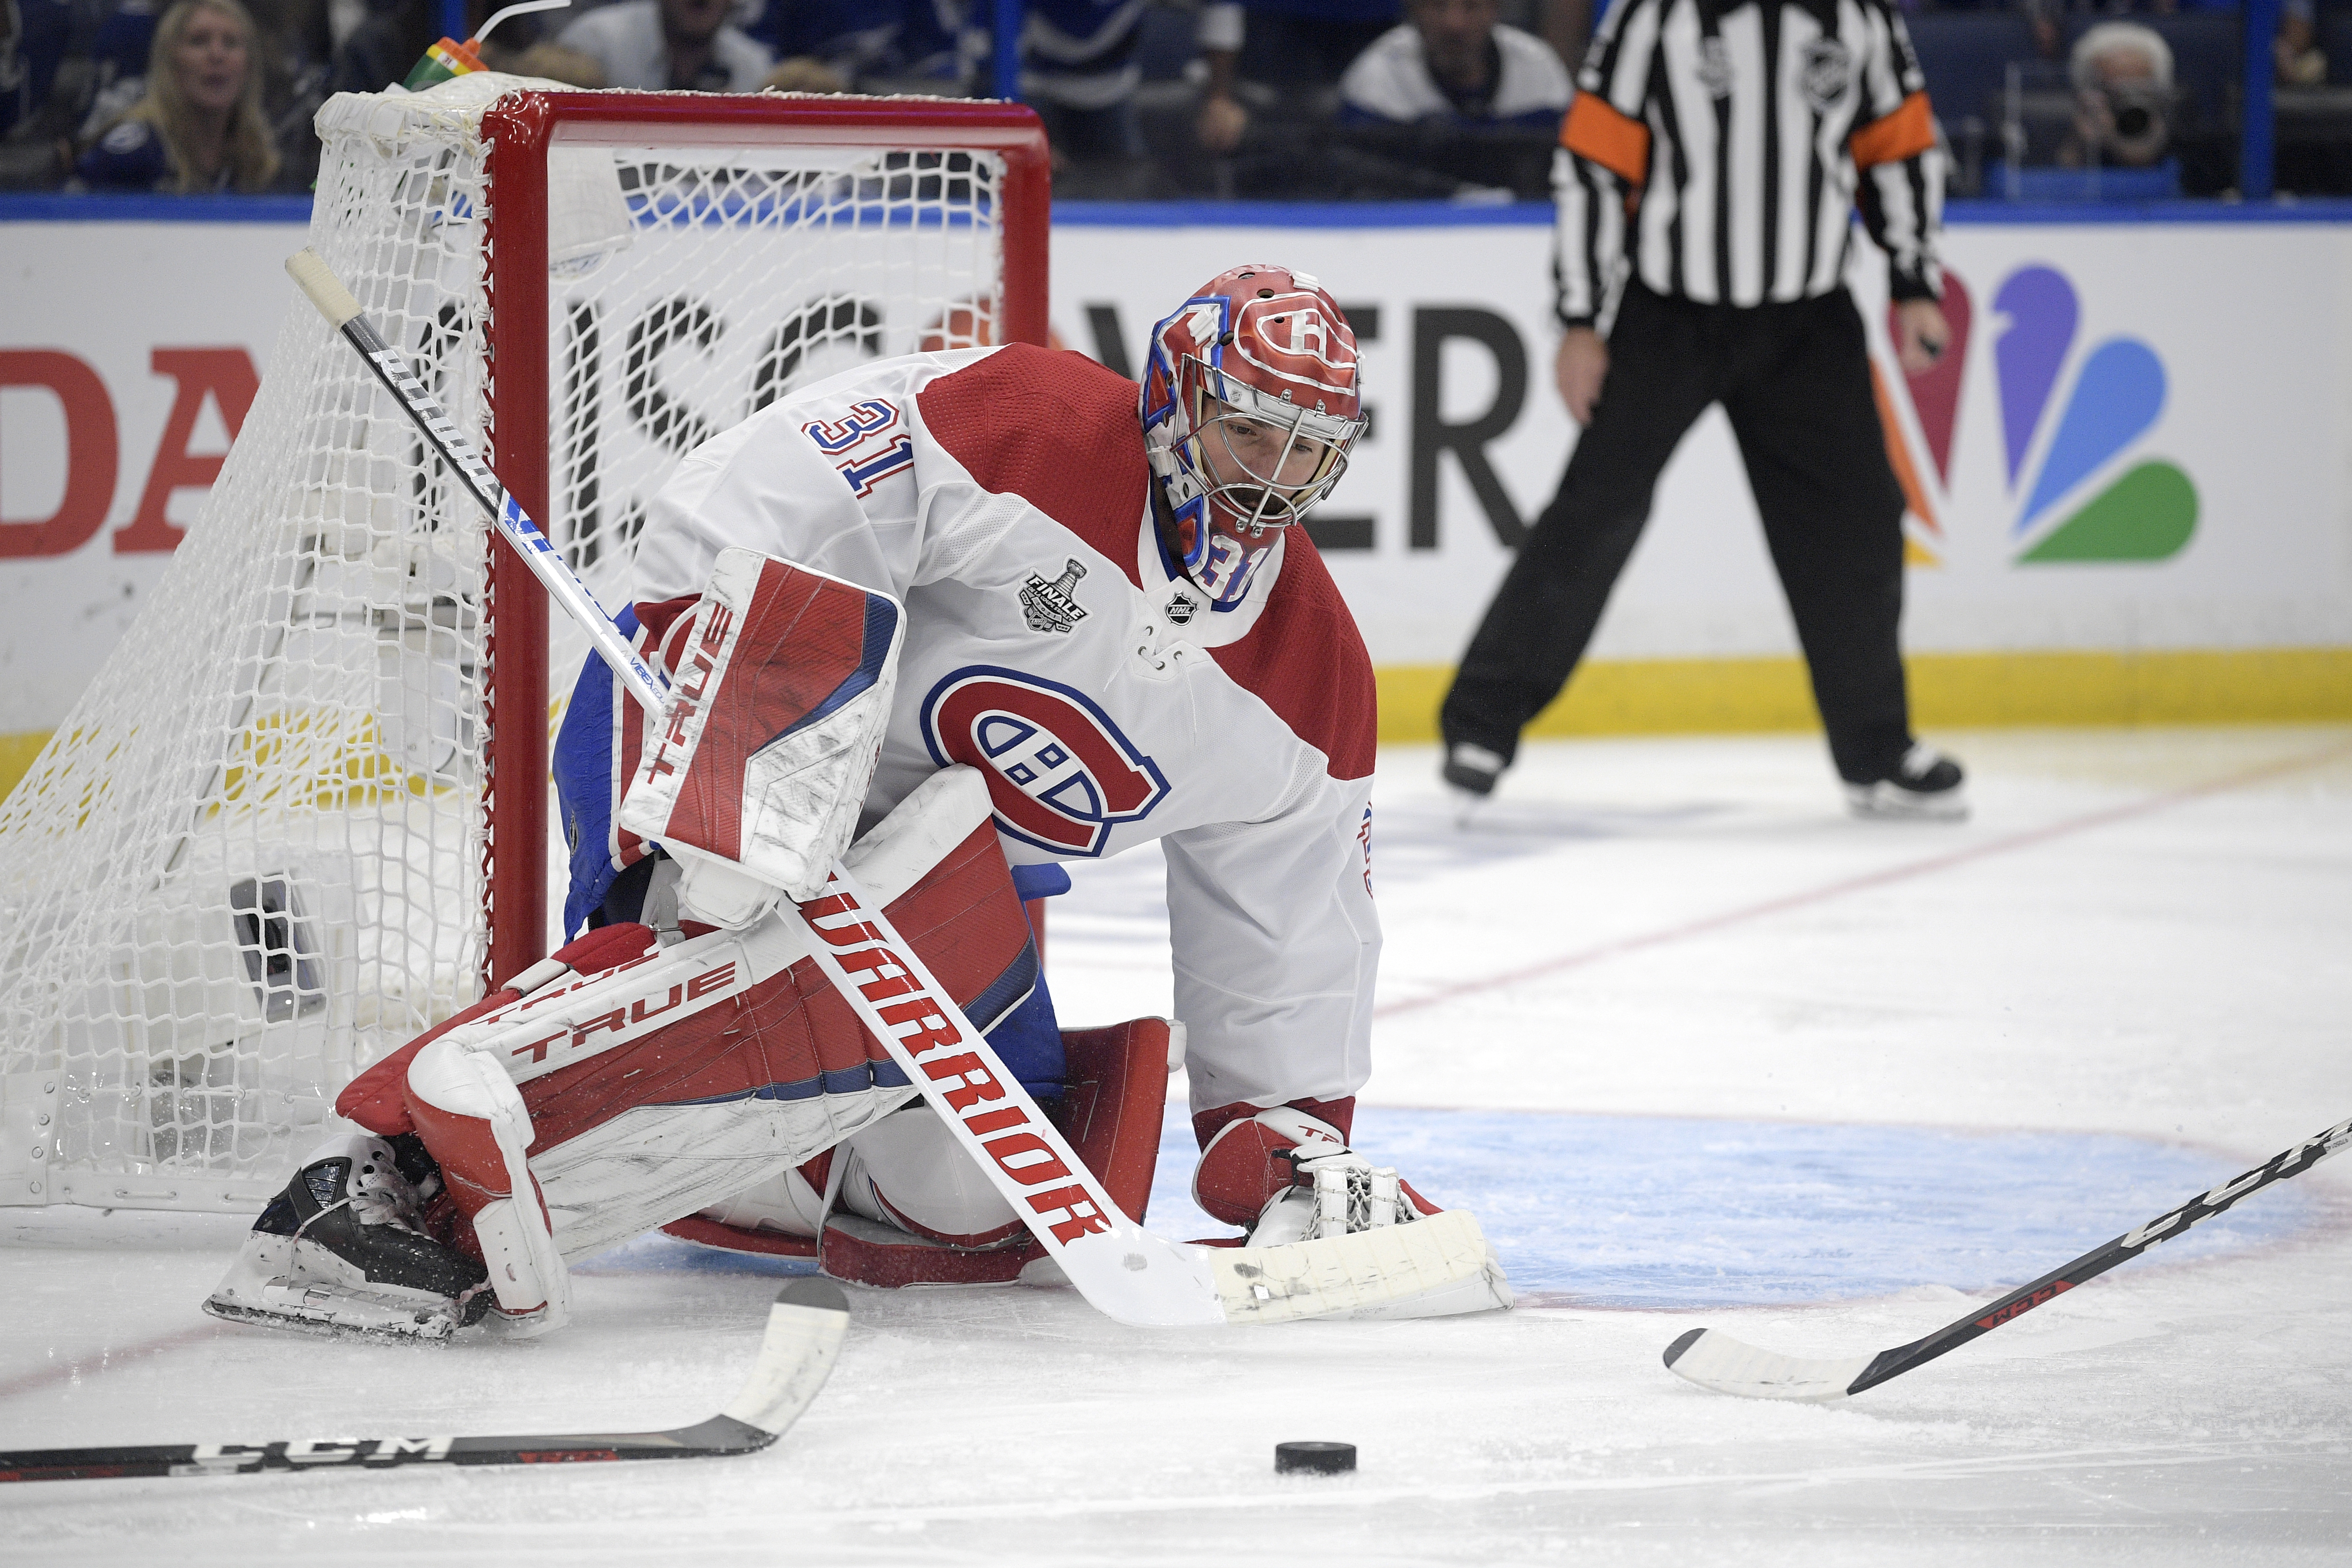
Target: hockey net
302, 815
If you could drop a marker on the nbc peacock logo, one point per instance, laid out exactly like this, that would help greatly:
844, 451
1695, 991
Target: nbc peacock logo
2078, 482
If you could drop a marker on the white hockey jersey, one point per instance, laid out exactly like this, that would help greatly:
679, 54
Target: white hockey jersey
1001, 496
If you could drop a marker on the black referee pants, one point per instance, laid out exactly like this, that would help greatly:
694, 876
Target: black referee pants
1795, 380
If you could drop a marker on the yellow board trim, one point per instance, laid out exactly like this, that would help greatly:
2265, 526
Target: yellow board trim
1948, 691
17, 755
1954, 690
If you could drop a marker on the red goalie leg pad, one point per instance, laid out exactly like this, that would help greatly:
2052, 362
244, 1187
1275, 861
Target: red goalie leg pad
1239, 1174
702, 1229
472, 1169
376, 1098
1116, 1097
1110, 1111
792, 1036
735, 1238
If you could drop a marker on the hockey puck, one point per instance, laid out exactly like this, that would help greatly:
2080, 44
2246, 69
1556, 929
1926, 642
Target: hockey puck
1314, 1459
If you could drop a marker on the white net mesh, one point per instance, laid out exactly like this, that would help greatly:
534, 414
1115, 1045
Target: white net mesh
254, 859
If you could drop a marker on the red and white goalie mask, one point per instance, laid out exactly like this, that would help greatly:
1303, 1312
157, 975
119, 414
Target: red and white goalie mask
1251, 400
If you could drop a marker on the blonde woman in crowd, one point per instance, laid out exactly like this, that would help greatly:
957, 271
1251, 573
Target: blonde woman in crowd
200, 126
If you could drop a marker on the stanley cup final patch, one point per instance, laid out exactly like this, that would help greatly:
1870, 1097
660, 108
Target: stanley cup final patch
1053, 606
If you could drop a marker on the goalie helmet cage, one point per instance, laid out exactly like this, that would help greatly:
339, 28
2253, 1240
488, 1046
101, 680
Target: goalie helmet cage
301, 813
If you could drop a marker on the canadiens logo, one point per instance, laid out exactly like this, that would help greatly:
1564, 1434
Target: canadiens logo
1060, 773
1053, 606
1182, 609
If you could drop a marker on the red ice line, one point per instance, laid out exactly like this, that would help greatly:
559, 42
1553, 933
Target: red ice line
1857, 884
99, 1361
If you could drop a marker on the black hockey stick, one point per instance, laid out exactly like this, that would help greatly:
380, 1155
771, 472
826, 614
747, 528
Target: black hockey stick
803, 1337
1715, 1360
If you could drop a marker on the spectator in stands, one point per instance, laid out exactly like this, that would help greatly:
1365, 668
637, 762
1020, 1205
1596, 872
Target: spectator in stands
2122, 74
654, 44
1078, 72
2301, 61
125, 37
804, 73
199, 125
46, 79
844, 39
549, 61
1293, 46
1567, 27
33, 41
295, 51
1453, 62
382, 47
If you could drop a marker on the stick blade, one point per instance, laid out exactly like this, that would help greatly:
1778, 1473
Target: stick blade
805, 1327
1715, 1361
1136, 1278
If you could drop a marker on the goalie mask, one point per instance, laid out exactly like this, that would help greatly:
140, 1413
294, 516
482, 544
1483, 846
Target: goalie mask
1249, 403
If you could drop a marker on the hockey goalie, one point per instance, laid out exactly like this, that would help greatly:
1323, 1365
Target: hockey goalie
954, 618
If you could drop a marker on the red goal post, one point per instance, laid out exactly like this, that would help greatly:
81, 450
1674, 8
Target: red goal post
520, 128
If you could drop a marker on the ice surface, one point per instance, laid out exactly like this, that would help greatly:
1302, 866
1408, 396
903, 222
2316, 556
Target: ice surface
1699, 1050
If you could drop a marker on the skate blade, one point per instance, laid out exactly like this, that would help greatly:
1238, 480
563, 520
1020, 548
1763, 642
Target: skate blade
418, 1327
1874, 803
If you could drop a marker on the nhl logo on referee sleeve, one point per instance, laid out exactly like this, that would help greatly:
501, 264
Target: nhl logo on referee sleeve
1053, 606
1826, 73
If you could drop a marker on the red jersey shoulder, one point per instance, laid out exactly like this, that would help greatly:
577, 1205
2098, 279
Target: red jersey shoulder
1055, 429
1306, 660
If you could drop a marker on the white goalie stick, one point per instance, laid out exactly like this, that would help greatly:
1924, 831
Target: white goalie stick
1125, 1271
1714, 1359
802, 1340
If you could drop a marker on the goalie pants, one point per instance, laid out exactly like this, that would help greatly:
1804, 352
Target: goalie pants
1795, 380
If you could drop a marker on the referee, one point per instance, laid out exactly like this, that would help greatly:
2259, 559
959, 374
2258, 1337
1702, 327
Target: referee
1707, 171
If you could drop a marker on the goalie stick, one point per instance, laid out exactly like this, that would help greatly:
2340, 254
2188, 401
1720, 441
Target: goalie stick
1123, 1270
802, 1340
1714, 1359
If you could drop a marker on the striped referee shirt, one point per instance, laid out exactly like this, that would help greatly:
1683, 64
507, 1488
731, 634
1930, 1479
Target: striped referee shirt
1718, 149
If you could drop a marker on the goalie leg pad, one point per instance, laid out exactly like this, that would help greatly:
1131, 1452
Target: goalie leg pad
473, 1118
1109, 1109
908, 1173
701, 1069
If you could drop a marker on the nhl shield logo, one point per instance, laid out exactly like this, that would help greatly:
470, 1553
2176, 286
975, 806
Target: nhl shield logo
1182, 609
1053, 606
1826, 71
1715, 72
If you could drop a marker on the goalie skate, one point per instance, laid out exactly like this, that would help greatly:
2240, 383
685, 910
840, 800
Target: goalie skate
342, 1251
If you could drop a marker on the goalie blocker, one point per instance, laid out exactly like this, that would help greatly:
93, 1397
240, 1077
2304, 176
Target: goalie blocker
701, 1072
